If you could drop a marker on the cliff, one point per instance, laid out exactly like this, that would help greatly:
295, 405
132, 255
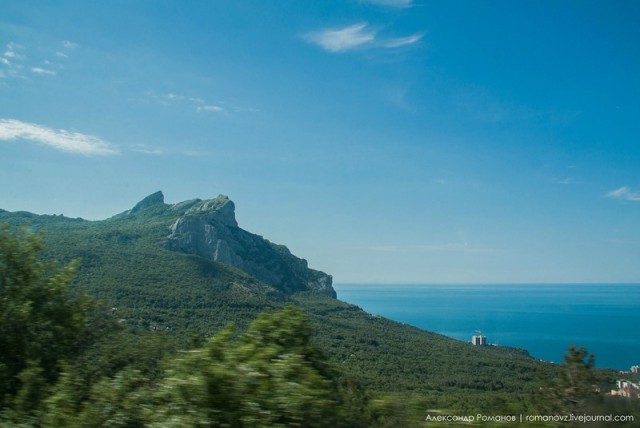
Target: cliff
208, 228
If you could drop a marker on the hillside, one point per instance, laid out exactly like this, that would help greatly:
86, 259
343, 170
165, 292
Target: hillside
189, 268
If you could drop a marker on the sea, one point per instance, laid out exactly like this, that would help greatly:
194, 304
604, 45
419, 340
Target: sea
543, 319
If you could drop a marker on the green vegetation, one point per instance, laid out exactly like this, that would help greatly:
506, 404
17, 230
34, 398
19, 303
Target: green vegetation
56, 373
579, 387
270, 376
40, 324
157, 350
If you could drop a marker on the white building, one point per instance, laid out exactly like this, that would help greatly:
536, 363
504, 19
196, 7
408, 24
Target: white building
627, 389
479, 340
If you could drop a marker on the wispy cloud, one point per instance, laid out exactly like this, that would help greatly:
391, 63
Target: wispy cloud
14, 50
11, 61
567, 181
60, 139
67, 48
343, 39
199, 104
174, 97
624, 193
402, 41
212, 108
67, 44
15, 63
391, 3
147, 150
357, 36
456, 247
43, 71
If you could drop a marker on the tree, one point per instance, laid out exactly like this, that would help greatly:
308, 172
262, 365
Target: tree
270, 376
41, 323
54, 372
576, 380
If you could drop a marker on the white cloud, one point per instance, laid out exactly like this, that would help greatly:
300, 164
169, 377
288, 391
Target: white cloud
60, 139
625, 193
344, 39
212, 108
69, 45
174, 97
357, 36
402, 41
199, 104
12, 51
43, 71
17, 64
147, 150
392, 3
12, 60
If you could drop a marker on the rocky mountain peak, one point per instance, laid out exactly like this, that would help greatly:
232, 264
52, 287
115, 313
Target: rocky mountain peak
156, 198
209, 229
220, 209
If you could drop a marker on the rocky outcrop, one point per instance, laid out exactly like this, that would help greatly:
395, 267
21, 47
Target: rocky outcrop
209, 229
151, 200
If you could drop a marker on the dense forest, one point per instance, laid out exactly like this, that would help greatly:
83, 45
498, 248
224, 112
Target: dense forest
102, 326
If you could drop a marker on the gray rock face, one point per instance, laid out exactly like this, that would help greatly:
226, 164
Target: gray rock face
151, 200
209, 229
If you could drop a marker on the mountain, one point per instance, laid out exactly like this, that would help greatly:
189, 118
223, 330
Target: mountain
209, 229
188, 268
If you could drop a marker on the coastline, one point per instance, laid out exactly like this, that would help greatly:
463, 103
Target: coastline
544, 319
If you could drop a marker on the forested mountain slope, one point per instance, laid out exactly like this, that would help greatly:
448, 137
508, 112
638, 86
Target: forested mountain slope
189, 269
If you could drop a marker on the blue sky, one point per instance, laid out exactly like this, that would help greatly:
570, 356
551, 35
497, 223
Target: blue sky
382, 140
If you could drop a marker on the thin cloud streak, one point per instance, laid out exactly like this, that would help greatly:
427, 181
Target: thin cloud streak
448, 247
147, 150
357, 36
60, 139
391, 3
624, 193
402, 41
43, 71
200, 104
174, 97
212, 108
341, 40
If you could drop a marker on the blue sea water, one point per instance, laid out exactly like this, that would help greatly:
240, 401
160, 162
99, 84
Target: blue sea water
543, 319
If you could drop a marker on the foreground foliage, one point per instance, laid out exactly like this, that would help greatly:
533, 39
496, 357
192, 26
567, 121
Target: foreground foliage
269, 376
40, 322
68, 361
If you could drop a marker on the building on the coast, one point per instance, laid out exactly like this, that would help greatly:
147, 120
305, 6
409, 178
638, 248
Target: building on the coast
479, 340
635, 369
627, 389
